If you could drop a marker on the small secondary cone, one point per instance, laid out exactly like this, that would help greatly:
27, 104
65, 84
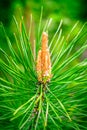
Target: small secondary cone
43, 66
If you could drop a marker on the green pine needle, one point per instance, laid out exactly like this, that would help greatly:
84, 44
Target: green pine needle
61, 104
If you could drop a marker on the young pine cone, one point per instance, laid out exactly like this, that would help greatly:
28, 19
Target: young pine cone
43, 66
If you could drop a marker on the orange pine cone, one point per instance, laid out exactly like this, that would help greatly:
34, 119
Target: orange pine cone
43, 61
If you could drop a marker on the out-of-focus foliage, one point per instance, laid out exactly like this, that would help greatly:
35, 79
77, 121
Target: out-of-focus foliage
56, 9
69, 11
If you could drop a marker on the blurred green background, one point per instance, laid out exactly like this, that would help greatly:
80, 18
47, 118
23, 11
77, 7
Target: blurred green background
69, 11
